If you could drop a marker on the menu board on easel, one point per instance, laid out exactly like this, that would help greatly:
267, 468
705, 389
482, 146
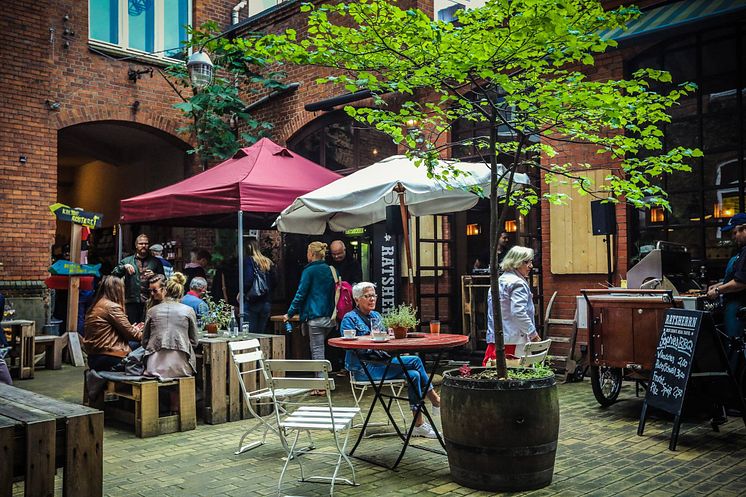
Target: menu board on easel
688, 348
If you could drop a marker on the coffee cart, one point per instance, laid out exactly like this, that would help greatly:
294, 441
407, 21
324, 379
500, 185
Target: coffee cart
624, 328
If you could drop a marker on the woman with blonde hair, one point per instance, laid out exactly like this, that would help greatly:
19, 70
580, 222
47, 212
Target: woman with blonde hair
314, 299
259, 280
516, 305
170, 334
107, 329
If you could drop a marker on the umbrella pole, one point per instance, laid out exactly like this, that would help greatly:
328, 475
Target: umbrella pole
240, 270
119, 243
399, 189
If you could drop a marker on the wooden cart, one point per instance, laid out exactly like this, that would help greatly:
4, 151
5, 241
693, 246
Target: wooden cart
624, 329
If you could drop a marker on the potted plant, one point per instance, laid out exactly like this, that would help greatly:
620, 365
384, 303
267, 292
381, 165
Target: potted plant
218, 315
401, 319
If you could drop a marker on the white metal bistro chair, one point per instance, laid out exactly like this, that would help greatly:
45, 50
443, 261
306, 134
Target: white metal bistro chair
533, 353
248, 360
358, 388
322, 415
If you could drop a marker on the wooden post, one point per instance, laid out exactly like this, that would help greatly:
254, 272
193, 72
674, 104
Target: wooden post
76, 355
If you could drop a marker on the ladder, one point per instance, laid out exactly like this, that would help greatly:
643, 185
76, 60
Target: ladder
564, 334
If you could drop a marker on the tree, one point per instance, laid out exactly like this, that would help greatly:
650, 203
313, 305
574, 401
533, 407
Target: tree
218, 115
512, 64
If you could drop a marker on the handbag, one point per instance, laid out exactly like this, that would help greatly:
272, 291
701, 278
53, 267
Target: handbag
260, 287
134, 362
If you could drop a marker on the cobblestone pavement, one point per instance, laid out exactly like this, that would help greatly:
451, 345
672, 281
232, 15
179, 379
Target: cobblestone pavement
599, 454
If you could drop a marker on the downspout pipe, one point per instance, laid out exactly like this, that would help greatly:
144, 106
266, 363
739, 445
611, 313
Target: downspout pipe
234, 15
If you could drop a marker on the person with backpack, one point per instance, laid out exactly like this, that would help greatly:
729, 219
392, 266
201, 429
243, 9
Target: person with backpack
259, 279
315, 300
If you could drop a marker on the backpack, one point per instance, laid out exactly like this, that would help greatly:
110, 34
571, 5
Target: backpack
342, 296
260, 287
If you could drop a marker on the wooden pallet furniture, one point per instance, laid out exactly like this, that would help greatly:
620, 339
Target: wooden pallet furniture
217, 377
39, 434
21, 358
137, 403
52, 346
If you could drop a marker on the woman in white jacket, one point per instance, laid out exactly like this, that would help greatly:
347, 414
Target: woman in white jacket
516, 305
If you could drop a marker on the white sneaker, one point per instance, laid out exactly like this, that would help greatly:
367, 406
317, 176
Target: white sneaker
435, 411
424, 430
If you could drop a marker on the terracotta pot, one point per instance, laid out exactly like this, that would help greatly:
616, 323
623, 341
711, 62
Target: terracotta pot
400, 332
211, 328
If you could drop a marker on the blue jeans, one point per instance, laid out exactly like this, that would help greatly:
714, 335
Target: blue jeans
257, 315
413, 368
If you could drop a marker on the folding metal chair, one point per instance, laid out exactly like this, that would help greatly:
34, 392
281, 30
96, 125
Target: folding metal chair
358, 388
533, 353
322, 415
249, 363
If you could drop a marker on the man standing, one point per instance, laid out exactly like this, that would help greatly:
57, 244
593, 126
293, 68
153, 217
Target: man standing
347, 268
733, 288
156, 250
137, 269
503, 245
193, 298
196, 267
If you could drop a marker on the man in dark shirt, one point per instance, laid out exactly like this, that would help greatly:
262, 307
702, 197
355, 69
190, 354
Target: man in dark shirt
137, 270
733, 287
348, 268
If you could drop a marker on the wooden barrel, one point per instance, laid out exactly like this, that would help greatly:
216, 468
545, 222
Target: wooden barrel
500, 435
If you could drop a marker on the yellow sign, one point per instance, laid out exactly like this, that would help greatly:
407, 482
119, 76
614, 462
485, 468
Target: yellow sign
77, 216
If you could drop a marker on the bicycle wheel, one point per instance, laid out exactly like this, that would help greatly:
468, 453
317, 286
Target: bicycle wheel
606, 383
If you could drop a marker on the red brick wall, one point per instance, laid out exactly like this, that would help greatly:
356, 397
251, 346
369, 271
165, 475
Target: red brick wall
88, 86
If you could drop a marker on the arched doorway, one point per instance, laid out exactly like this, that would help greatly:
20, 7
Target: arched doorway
101, 162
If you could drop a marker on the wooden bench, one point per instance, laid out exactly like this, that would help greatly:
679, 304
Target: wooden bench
39, 434
52, 346
218, 379
21, 359
137, 403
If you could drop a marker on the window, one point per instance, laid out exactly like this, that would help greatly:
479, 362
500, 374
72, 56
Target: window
153, 27
712, 119
445, 10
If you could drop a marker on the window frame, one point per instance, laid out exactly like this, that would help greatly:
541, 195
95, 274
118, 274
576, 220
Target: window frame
122, 48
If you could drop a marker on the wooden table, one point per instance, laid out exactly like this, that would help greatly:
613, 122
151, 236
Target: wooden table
422, 343
39, 434
217, 376
21, 359
297, 346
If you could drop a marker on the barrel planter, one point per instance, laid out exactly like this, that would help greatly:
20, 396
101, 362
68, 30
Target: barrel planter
501, 435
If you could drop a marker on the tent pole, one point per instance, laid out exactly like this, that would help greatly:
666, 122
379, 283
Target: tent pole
119, 243
399, 189
240, 271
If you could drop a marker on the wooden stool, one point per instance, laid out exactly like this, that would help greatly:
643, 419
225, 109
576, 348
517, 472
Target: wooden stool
52, 346
143, 409
21, 363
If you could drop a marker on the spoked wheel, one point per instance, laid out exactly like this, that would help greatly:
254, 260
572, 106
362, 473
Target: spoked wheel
606, 383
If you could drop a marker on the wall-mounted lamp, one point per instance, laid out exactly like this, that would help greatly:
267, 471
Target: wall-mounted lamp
511, 226
657, 214
473, 229
135, 106
200, 68
23, 159
51, 105
412, 123
374, 152
134, 74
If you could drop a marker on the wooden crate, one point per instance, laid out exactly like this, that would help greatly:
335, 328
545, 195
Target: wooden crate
218, 377
21, 359
52, 346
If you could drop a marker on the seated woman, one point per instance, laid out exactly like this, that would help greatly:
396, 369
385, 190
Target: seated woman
363, 319
107, 329
170, 334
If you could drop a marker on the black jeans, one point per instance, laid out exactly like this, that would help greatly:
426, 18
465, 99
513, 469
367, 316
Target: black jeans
100, 362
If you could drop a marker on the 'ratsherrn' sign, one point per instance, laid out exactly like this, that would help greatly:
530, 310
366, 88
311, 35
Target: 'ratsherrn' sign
77, 216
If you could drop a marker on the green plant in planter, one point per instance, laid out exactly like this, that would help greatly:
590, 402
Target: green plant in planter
531, 373
218, 312
403, 316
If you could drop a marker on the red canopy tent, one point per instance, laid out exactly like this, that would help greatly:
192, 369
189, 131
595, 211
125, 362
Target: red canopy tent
258, 182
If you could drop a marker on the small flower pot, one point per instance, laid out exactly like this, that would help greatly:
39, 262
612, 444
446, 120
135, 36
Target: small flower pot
211, 328
400, 332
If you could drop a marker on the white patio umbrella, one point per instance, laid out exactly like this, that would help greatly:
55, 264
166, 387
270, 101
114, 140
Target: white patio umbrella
361, 198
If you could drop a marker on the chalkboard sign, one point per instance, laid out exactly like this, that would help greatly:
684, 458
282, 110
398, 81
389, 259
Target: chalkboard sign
688, 348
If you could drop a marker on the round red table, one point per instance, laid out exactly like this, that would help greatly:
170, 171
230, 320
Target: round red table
415, 342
